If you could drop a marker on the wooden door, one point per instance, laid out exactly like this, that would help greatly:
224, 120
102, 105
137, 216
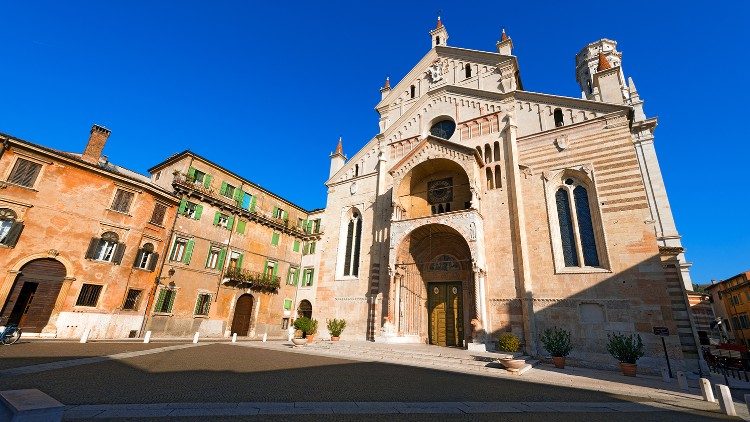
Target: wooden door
445, 312
34, 293
243, 311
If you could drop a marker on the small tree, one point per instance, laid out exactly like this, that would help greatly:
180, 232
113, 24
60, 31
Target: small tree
306, 325
508, 342
625, 348
557, 341
336, 326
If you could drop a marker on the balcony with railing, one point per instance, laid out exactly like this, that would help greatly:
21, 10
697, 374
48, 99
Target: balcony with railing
240, 277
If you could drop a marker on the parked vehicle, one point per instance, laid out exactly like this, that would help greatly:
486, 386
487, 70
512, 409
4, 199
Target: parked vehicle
9, 334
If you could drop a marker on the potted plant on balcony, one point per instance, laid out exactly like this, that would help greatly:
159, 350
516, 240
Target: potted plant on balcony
335, 327
627, 349
509, 342
557, 342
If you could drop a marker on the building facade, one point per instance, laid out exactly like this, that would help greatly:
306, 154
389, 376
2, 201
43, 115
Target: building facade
80, 240
731, 304
480, 207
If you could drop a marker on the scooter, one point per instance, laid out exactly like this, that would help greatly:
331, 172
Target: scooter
9, 334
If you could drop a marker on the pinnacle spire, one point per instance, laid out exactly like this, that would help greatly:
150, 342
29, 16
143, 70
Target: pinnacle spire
504, 36
339, 148
387, 83
603, 63
439, 23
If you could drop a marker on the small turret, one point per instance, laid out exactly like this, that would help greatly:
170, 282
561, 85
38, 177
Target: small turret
386, 88
505, 45
439, 35
338, 159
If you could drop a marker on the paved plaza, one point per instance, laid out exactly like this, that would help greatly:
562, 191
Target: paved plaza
254, 380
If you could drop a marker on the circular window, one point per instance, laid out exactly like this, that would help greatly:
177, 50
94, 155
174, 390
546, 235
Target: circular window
569, 182
443, 129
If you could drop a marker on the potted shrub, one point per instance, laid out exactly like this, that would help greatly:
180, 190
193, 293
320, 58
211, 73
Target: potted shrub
556, 341
627, 349
312, 329
299, 332
509, 342
335, 327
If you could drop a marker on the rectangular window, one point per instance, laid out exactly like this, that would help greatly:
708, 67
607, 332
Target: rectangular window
213, 257
275, 239
316, 225
307, 277
122, 200
178, 250
223, 220
144, 257
106, 250
132, 298
89, 295
157, 217
744, 321
284, 323
270, 269
293, 276
227, 190
165, 301
278, 213
198, 176
235, 260
5, 226
24, 173
311, 249
191, 210
202, 304
287, 304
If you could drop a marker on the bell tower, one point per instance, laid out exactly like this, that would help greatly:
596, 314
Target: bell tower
439, 35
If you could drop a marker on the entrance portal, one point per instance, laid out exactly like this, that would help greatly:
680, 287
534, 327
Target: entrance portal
445, 307
243, 312
34, 293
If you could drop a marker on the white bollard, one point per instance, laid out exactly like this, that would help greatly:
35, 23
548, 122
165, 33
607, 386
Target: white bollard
682, 380
234, 338
665, 375
706, 391
725, 400
265, 337
195, 337
147, 337
85, 336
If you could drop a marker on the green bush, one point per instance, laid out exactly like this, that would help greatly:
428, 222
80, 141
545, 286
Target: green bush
508, 342
626, 349
336, 326
307, 325
556, 341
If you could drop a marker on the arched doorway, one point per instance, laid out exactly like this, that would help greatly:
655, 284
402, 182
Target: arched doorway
243, 312
434, 282
34, 293
304, 309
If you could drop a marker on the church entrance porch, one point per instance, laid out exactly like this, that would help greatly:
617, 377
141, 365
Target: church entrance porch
445, 310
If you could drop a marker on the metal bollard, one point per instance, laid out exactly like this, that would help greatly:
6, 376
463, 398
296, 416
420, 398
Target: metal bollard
195, 337
234, 338
147, 337
706, 391
725, 400
85, 336
665, 375
682, 380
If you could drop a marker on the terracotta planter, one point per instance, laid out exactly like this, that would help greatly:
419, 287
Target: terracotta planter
334, 338
310, 338
299, 341
559, 361
512, 364
628, 369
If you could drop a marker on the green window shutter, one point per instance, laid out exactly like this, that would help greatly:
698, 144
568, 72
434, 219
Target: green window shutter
216, 218
312, 272
296, 246
239, 261
276, 270
238, 194
171, 300
191, 173
296, 277
183, 205
275, 210
241, 226
188, 251
223, 189
265, 267
287, 304
160, 300
230, 223
222, 257
198, 212
284, 215
252, 204
207, 181
275, 239
197, 304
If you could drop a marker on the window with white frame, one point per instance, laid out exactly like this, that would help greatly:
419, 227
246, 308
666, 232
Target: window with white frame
106, 248
10, 229
307, 277
146, 258
213, 257
179, 248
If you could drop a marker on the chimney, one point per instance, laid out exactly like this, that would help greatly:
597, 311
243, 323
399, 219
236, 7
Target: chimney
94, 148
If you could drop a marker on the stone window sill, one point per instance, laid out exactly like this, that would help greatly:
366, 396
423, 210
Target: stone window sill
119, 212
31, 188
582, 270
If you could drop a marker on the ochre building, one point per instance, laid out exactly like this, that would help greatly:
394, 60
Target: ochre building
480, 199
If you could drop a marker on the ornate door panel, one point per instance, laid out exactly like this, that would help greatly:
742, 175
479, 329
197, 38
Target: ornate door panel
445, 314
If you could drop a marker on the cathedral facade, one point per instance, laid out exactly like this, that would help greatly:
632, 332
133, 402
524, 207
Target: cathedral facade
481, 207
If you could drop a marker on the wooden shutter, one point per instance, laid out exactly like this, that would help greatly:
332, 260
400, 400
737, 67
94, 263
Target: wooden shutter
183, 206
216, 218
207, 181
238, 194
241, 226
296, 246
157, 217
171, 300
275, 239
93, 245
223, 189
153, 261
191, 173
138, 256
24, 173
119, 253
13, 234
230, 223
276, 269
188, 251
222, 257
312, 272
252, 204
198, 212
160, 300
239, 261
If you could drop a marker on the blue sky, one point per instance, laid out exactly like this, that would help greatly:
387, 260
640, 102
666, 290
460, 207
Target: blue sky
266, 88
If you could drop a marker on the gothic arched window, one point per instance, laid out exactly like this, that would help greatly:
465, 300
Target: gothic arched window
443, 129
353, 243
577, 235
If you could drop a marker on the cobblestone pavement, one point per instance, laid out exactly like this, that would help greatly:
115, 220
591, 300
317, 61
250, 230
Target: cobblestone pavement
231, 377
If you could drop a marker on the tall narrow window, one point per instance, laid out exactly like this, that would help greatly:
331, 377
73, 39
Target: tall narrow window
487, 153
490, 179
353, 243
437, 40
498, 177
566, 228
496, 151
356, 170
558, 117
585, 227
577, 234
413, 91
467, 69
